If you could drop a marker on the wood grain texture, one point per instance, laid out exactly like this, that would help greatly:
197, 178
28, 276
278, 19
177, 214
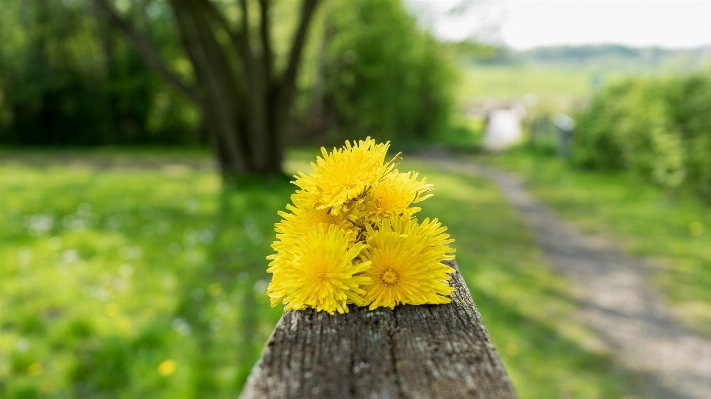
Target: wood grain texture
430, 351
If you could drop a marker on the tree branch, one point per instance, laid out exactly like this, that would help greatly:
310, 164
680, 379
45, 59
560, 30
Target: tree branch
243, 36
149, 53
239, 39
288, 79
213, 73
266, 40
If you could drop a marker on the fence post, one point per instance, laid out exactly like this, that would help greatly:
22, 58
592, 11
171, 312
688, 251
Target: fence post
428, 351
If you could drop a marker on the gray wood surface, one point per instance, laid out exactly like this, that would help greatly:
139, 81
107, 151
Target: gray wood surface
430, 351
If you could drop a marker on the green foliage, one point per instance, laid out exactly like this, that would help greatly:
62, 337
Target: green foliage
102, 369
67, 77
690, 111
657, 129
384, 77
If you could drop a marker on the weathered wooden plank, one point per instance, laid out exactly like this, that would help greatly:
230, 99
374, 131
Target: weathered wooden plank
432, 351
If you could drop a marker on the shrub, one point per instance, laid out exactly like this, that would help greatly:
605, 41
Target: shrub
659, 129
384, 76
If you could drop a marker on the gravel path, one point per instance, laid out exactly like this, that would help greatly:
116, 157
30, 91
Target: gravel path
616, 301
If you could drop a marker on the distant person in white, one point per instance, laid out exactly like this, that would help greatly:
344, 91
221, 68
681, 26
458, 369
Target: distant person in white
503, 126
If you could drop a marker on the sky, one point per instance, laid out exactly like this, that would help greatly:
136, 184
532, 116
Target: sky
524, 24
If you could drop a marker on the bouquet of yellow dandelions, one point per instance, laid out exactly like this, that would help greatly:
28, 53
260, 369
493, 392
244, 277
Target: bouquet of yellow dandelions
350, 237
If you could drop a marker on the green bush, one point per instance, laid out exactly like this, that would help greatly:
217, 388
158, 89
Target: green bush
68, 78
658, 129
690, 101
384, 76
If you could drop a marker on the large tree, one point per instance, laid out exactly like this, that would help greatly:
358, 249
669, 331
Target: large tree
244, 99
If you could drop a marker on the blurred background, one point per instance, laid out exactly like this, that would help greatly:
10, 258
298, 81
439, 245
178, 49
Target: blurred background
146, 147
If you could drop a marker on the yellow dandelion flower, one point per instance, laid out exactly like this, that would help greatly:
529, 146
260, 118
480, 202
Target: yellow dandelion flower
280, 267
111, 309
297, 224
406, 263
35, 369
344, 175
167, 367
430, 231
395, 193
349, 237
320, 272
302, 218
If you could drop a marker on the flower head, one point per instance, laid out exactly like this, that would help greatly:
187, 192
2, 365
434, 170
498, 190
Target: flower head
349, 237
320, 271
406, 263
303, 217
395, 193
342, 176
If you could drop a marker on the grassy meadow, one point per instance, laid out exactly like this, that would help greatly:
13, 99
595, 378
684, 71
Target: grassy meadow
125, 283
135, 275
558, 87
674, 231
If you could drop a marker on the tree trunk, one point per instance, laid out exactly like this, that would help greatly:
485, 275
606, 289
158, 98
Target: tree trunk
245, 106
247, 111
428, 351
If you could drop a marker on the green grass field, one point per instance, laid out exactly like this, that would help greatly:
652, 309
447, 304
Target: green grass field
136, 276
558, 87
674, 231
506, 81
107, 274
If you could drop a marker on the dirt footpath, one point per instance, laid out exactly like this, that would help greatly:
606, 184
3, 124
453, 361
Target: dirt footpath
616, 301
